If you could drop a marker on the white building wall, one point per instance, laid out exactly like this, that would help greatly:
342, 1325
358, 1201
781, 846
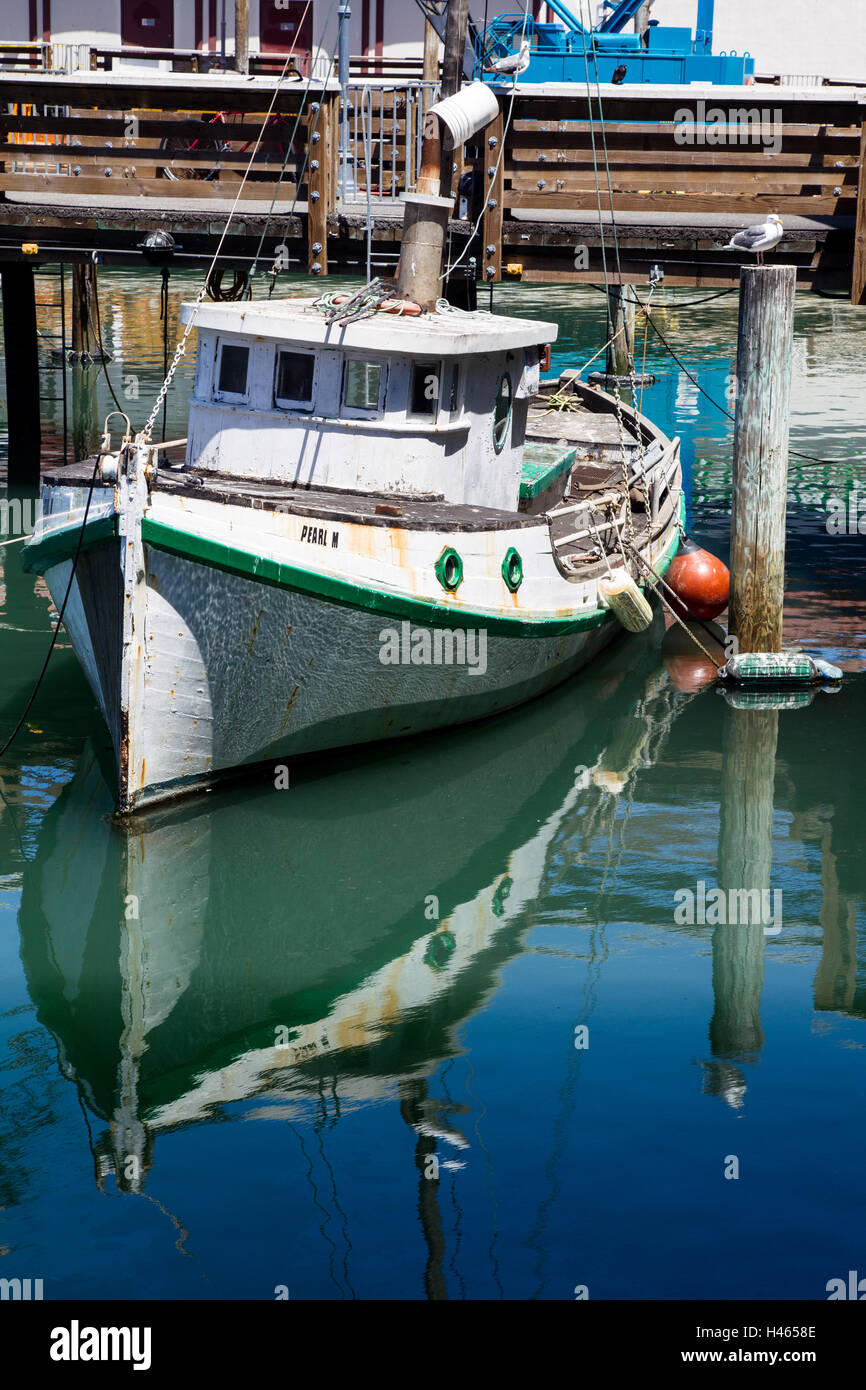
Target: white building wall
784, 36
94, 22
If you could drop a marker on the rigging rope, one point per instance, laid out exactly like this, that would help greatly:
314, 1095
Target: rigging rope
144, 435
641, 559
291, 140
616, 396
276, 268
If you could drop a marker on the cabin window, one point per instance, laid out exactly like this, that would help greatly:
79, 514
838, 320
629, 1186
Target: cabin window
362, 385
293, 381
233, 368
425, 387
454, 390
502, 412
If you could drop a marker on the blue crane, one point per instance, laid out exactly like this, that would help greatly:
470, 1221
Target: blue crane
561, 52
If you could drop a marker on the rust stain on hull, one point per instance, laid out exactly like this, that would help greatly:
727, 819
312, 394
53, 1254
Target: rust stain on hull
288, 712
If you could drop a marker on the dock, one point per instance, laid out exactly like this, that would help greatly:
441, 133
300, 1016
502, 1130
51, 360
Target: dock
565, 185
85, 174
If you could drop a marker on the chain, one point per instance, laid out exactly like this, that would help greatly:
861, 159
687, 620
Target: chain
144, 436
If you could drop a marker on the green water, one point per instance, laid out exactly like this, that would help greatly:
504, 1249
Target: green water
428, 1025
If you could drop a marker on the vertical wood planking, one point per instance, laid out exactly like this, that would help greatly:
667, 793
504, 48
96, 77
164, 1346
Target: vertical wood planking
760, 472
317, 183
494, 188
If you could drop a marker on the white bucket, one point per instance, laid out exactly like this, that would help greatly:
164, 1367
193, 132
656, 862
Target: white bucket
468, 111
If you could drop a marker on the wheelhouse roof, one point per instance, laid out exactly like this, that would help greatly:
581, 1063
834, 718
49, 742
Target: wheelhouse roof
296, 321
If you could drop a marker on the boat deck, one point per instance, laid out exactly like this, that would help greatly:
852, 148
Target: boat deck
427, 512
558, 441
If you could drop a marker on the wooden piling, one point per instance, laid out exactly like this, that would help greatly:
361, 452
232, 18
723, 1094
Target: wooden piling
452, 78
85, 410
760, 468
494, 197
21, 351
620, 352
242, 35
431, 62
84, 336
319, 137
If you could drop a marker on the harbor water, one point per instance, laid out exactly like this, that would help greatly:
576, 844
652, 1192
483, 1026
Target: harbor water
455, 1018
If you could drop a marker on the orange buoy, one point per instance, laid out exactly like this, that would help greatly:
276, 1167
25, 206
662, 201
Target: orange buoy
699, 580
688, 668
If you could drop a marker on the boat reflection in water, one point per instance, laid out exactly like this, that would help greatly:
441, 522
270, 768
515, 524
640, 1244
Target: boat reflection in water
320, 948
275, 943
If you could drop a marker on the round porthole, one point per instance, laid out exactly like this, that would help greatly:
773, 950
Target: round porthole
440, 949
449, 569
512, 569
502, 412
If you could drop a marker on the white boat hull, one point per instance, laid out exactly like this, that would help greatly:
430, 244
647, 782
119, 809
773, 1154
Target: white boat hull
238, 673
217, 636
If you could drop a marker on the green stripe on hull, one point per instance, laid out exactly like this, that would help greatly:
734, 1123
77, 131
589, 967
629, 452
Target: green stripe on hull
344, 591
234, 560
57, 546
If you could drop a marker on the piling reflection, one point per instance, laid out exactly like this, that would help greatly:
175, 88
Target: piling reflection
744, 871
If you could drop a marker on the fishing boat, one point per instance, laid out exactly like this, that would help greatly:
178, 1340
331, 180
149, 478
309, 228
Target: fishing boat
383, 523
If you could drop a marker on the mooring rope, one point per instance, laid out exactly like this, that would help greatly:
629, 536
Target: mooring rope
646, 564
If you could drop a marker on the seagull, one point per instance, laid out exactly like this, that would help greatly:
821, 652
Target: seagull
763, 236
513, 63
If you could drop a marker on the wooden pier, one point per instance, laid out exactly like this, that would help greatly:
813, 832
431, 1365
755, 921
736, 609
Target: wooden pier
85, 167
91, 162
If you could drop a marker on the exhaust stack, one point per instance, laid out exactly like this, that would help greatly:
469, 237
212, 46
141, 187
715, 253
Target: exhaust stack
425, 219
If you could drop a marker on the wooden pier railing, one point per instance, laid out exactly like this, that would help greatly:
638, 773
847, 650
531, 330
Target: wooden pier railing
679, 187
140, 141
682, 167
